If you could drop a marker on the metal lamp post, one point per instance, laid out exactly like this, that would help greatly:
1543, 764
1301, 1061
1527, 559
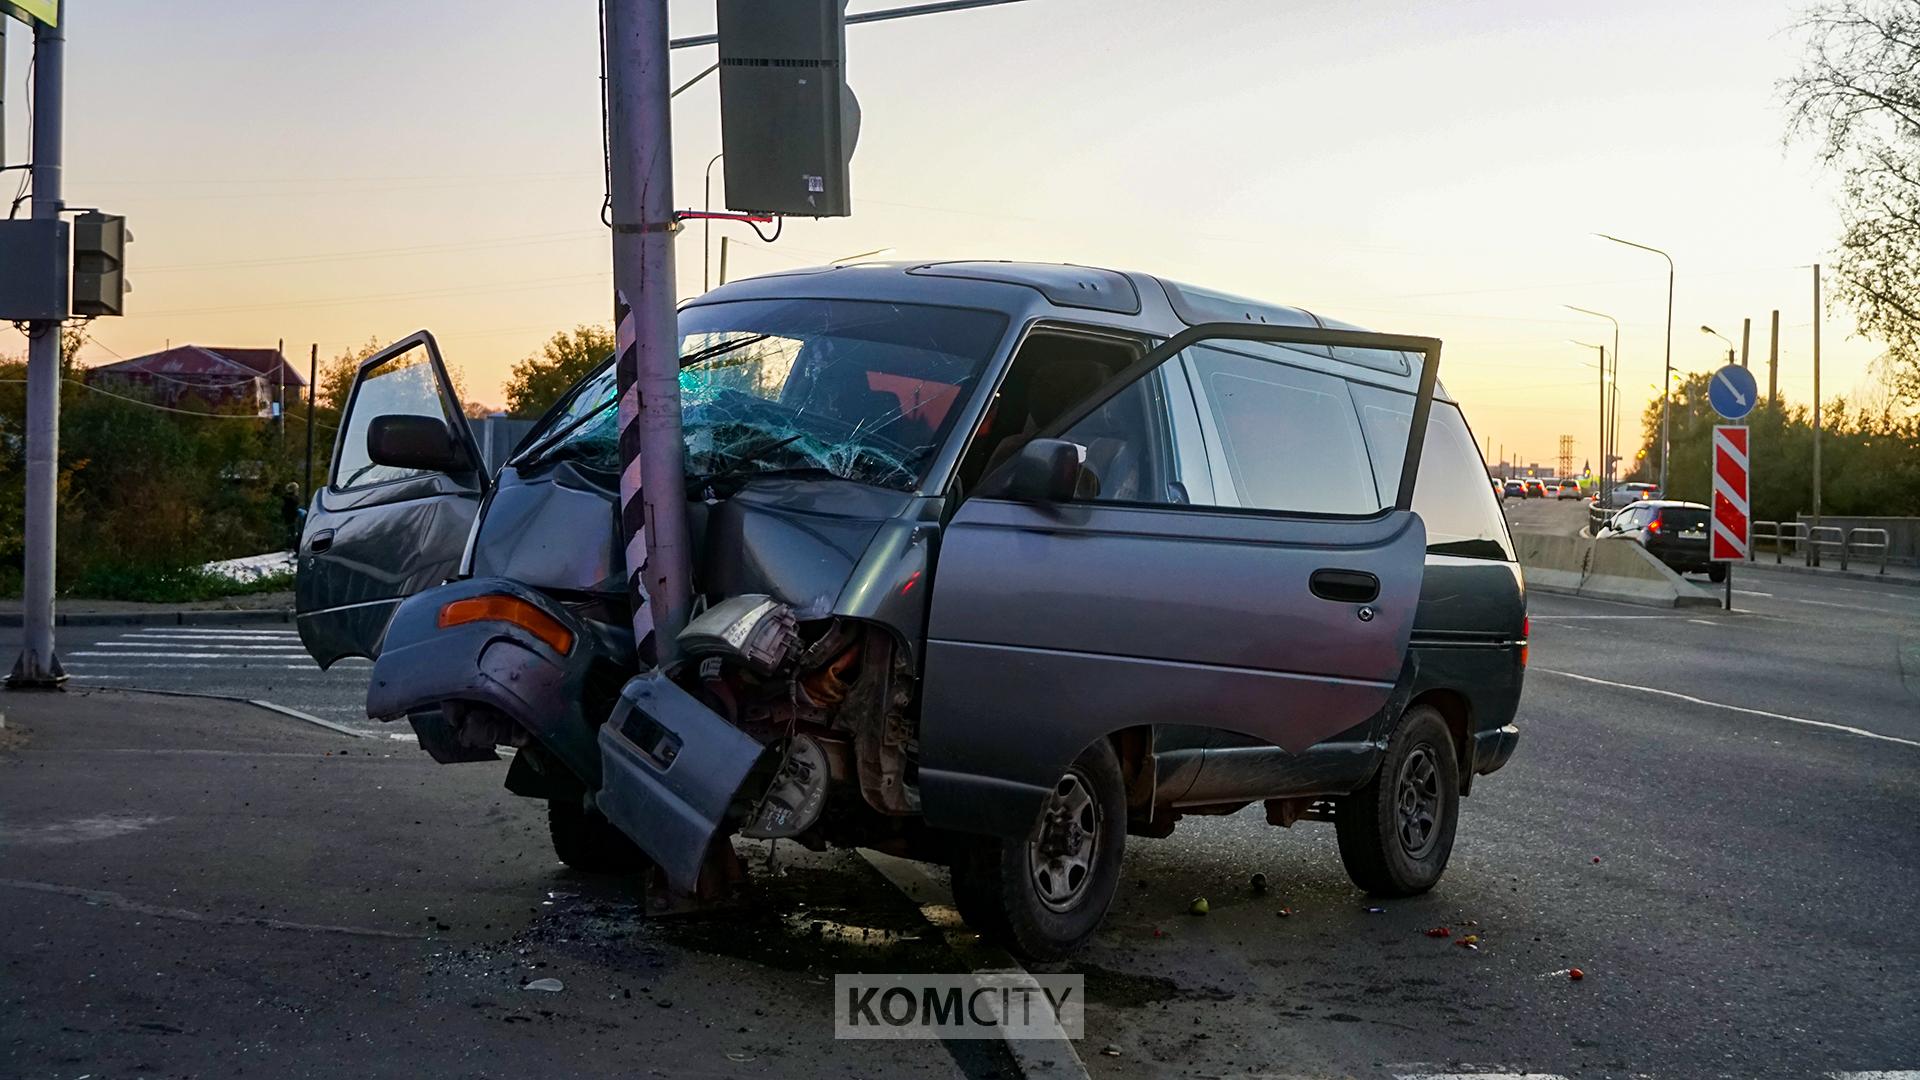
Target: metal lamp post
1666, 381
1722, 337
1609, 415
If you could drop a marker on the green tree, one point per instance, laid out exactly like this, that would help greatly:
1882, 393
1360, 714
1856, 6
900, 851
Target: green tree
539, 380
1857, 96
1870, 458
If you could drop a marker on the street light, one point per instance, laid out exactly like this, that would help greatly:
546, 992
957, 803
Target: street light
1603, 398
1666, 394
1722, 337
1609, 416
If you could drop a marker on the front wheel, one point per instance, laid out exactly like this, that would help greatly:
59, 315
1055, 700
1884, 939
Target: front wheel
1043, 895
1396, 833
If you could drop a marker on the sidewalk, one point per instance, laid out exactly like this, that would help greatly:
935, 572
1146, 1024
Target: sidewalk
1830, 568
203, 888
250, 608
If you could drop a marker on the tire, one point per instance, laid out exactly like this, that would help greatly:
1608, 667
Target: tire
590, 843
1717, 573
1045, 909
1387, 852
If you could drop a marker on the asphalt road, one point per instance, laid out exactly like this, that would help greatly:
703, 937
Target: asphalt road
1711, 815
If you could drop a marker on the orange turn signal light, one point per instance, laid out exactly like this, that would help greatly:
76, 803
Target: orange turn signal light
509, 609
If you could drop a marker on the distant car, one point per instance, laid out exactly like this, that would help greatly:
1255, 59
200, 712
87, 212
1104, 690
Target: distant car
1626, 494
1536, 489
1515, 489
1569, 489
1674, 532
1499, 487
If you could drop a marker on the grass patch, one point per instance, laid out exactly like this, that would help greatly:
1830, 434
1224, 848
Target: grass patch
167, 584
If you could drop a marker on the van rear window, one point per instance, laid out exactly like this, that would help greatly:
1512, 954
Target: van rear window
1452, 497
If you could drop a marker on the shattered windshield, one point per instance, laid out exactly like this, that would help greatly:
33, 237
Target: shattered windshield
863, 390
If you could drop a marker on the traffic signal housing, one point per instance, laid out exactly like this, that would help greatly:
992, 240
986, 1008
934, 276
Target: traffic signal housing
99, 256
788, 120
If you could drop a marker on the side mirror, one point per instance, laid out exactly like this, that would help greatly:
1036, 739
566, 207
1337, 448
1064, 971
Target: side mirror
1044, 471
416, 442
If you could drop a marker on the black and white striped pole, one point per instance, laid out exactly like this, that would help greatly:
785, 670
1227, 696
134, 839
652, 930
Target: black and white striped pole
653, 505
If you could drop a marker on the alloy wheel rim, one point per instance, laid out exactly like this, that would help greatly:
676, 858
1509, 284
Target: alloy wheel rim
1417, 802
1063, 850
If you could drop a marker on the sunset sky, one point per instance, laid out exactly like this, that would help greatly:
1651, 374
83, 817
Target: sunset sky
333, 172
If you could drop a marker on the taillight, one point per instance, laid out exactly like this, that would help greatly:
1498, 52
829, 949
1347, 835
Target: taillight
1526, 633
1654, 525
509, 609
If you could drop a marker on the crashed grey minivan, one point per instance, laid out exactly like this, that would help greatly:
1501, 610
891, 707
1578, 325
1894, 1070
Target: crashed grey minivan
995, 564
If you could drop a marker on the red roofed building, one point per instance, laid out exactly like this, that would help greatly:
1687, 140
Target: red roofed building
245, 379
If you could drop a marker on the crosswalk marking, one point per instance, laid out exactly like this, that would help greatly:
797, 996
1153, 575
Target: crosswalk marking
252, 662
201, 643
187, 655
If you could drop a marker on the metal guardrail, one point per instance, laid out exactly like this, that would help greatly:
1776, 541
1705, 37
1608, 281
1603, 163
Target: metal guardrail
1763, 530
1597, 516
1850, 543
1826, 536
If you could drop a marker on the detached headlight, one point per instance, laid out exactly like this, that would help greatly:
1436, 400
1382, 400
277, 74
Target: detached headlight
756, 630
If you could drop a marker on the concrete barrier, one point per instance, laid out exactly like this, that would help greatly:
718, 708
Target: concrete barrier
1609, 569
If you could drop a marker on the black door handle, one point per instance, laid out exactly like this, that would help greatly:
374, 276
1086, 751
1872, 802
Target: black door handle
321, 541
1345, 586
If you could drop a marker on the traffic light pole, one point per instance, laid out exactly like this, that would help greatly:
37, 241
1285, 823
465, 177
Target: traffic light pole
653, 503
38, 667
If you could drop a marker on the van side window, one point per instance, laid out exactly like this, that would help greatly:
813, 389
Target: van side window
1452, 496
1289, 437
1129, 447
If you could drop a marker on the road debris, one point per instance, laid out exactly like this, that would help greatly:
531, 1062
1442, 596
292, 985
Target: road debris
551, 986
1199, 906
1376, 911
1285, 913
1439, 931
1259, 884
1111, 1050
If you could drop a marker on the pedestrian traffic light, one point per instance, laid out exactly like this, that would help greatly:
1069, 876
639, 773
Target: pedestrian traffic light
788, 121
99, 251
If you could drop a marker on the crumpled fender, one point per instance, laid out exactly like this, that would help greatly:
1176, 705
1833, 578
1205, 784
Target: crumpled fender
498, 665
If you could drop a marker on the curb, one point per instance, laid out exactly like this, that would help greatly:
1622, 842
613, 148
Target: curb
1845, 575
157, 618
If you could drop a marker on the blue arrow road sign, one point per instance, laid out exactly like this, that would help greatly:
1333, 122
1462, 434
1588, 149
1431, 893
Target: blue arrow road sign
1733, 393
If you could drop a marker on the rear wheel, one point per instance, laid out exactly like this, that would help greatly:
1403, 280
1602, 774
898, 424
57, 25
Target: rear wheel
1396, 833
1717, 573
588, 842
1042, 895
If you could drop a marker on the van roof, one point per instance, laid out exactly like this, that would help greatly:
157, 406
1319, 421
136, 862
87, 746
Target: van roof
1126, 295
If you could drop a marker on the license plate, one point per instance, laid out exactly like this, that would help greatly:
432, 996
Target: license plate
1693, 534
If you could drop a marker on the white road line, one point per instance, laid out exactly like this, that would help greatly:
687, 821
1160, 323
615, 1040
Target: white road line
189, 655
252, 662
1704, 622
178, 632
1555, 618
1896, 1074
1862, 732
1479, 1076
200, 644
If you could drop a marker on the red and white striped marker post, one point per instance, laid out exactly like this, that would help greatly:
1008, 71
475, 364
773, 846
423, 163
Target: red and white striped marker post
1729, 532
